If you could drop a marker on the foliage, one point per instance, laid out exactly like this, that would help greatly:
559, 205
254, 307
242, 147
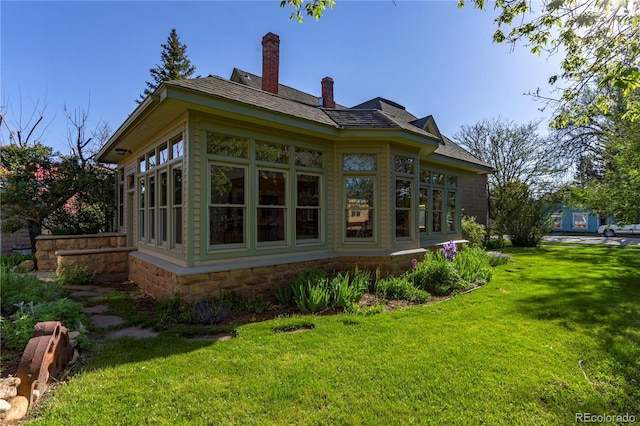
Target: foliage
608, 175
313, 8
473, 231
169, 310
19, 288
258, 306
211, 310
284, 294
494, 242
400, 288
521, 216
14, 259
474, 266
355, 309
516, 152
313, 290
435, 274
77, 275
42, 189
175, 65
18, 328
600, 41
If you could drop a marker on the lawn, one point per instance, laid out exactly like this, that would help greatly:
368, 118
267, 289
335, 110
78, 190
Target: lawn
556, 332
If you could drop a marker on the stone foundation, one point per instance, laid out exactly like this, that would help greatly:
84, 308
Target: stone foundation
256, 282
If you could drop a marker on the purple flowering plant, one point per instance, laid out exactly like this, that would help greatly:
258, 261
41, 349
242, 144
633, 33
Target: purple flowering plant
414, 263
448, 250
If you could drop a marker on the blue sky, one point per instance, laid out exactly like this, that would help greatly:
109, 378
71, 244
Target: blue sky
429, 56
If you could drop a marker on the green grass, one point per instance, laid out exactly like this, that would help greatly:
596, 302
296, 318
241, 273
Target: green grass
507, 353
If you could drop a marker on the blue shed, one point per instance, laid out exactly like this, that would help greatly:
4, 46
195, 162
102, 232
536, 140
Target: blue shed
569, 219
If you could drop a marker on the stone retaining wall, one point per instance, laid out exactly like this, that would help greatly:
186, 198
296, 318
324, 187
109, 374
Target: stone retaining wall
102, 254
255, 282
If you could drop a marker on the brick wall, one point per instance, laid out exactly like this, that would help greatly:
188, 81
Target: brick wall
475, 197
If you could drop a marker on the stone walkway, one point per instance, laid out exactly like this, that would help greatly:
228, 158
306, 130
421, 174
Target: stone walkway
89, 294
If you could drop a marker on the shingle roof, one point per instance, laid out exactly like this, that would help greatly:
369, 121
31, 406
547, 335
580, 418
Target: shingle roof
449, 148
238, 92
287, 92
377, 113
389, 107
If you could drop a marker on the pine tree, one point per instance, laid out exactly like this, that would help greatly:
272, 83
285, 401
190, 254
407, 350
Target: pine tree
175, 65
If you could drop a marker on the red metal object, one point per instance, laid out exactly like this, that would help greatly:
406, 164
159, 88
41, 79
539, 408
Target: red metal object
47, 354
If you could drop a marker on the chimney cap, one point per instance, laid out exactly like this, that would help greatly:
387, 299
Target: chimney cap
270, 37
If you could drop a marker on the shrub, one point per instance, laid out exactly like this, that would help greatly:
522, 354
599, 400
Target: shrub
77, 275
436, 275
356, 309
494, 243
473, 231
169, 310
400, 288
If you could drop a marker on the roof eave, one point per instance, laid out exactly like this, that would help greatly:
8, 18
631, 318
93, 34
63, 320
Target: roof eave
466, 165
106, 153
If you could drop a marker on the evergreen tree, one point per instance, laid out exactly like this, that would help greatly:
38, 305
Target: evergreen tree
175, 65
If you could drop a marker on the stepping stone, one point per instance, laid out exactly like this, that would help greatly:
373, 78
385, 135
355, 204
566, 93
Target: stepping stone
135, 332
85, 293
98, 309
104, 321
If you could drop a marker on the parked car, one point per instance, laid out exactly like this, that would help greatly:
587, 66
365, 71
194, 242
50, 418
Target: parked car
613, 230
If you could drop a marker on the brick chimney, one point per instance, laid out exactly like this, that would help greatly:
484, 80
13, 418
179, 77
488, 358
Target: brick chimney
327, 93
270, 62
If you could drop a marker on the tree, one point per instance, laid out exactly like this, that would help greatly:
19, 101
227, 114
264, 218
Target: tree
175, 65
608, 181
523, 216
313, 8
516, 152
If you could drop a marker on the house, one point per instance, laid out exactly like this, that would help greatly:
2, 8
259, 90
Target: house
566, 218
237, 184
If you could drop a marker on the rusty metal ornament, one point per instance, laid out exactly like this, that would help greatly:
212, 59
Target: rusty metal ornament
47, 354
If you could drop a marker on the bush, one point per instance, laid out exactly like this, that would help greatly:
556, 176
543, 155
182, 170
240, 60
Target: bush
78, 275
313, 291
400, 288
436, 275
284, 294
521, 215
473, 231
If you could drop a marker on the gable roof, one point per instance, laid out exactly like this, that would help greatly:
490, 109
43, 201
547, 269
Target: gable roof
245, 88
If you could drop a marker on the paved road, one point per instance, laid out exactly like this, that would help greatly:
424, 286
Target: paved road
617, 241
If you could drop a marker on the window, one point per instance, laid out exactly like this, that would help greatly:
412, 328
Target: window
439, 205
263, 193
403, 169
160, 221
227, 205
580, 220
272, 206
556, 220
359, 207
359, 189
308, 207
